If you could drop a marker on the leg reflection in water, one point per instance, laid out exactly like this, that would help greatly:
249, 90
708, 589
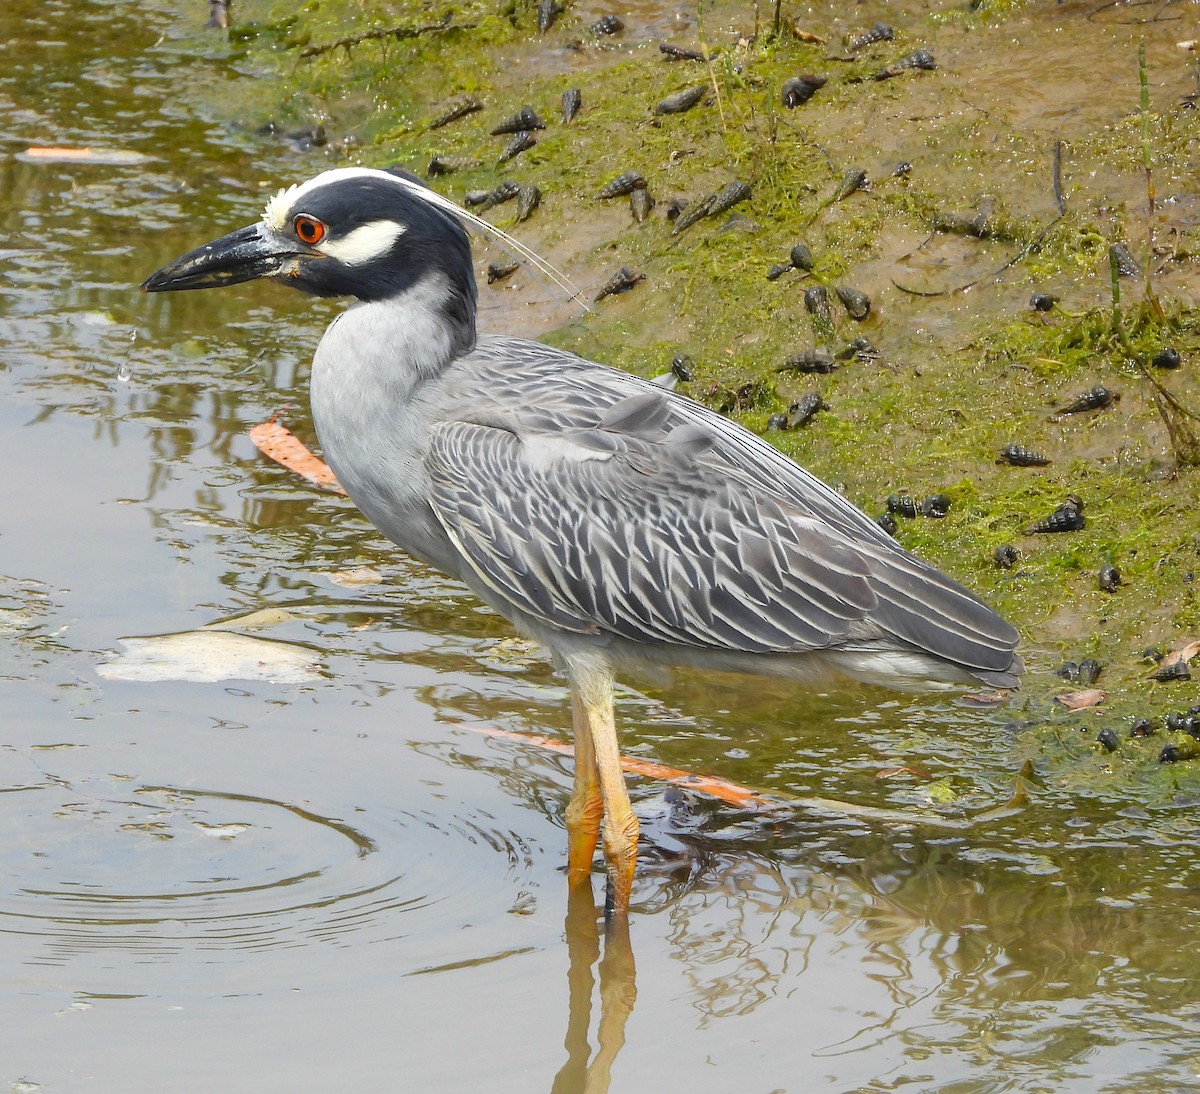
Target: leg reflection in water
582, 1074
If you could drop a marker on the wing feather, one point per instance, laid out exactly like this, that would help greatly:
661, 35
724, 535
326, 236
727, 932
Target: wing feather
597, 501
591, 545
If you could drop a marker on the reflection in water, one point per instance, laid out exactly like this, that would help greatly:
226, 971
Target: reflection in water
583, 1073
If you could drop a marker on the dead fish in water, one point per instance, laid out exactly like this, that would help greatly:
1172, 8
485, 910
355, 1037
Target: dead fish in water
529, 197
607, 24
682, 100
547, 12
1126, 264
723, 199
681, 53
640, 204
1068, 517
880, 32
799, 89
445, 165
572, 100
809, 360
622, 281
922, 58
625, 183
816, 301
1096, 398
1006, 557
523, 120
1109, 579
497, 271
506, 191
801, 412
856, 303
517, 143
453, 109
1019, 456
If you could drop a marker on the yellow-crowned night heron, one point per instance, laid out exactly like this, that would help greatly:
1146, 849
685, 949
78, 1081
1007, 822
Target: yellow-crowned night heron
615, 521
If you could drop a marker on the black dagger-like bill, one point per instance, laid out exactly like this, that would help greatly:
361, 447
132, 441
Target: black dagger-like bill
248, 253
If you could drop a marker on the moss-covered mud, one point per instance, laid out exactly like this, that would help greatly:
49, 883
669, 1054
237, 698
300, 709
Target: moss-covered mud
1031, 118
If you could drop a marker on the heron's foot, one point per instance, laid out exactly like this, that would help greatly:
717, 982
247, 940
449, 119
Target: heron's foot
620, 852
583, 833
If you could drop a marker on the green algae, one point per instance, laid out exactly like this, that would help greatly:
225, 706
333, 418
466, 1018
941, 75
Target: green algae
967, 365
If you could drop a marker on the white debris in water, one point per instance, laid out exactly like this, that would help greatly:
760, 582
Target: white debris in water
206, 656
220, 831
254, 621
357, 575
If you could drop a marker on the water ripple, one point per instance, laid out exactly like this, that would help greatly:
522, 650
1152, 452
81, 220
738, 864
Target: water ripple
156, 870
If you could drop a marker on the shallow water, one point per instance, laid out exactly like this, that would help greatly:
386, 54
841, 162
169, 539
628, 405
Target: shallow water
346, 882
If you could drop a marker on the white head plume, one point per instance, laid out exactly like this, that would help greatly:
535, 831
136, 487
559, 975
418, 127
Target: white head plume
276, 213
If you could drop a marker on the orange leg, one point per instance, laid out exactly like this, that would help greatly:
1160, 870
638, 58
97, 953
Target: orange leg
593, 707
586, 806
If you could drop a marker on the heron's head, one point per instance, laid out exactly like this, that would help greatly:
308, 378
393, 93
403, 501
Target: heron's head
348, 232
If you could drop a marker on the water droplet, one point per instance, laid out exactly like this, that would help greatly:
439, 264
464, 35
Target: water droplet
124, 369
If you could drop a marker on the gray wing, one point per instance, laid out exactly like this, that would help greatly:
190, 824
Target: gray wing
650, 518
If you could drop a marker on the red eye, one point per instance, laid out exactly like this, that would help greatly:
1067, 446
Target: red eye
308, 229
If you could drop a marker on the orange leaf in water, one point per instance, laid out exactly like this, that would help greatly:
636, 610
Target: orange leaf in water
714, 787
109, 157
284, 447
1081, 700
59, 153
893, 772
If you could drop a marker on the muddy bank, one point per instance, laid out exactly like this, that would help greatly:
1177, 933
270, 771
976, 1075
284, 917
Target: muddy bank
949, 170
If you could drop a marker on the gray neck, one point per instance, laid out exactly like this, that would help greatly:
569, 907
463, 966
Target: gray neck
374, 395
405, 339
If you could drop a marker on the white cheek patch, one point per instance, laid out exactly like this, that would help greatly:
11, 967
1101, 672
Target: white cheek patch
278, 215
365, 243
